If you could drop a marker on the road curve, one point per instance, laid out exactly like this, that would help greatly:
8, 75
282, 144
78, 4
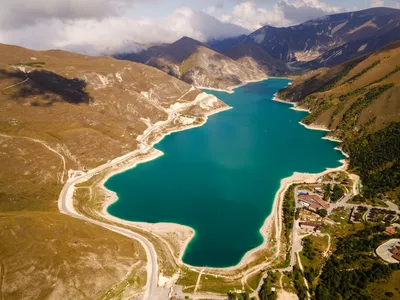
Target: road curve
68, 189
152, 274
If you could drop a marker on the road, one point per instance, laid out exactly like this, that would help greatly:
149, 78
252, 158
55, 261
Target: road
66, 206
151, 253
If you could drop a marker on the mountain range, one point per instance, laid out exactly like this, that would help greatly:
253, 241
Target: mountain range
61, 111
272, 51
358, 101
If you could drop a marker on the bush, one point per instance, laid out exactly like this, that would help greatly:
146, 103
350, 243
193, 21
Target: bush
323, 212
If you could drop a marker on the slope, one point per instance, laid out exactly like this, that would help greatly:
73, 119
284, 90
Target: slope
197, 64
326, 41
359, 102
61, 111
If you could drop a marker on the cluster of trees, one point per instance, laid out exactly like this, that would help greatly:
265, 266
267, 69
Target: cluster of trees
289, 208
333, 194
350, 117
298, 280
337, 193
359, 74
353, 266
376, 158
323, 212
266, 292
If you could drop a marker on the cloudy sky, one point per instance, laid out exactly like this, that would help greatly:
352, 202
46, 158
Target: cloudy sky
109, 26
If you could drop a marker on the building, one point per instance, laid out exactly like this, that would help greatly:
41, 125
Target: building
310, 226
390, 230
396, 253
309, 216
313, 202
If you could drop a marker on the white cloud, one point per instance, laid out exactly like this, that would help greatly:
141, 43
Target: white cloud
283, 13
100, 26
376, 3
19, 13
111, 34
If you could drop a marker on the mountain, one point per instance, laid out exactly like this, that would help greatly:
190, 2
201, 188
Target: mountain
358, 101
197, 64
326, 41
61, 111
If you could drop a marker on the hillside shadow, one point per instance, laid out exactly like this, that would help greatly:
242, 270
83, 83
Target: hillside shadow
49, 86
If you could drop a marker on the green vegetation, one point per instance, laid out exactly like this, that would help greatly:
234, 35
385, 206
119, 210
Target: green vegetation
349, 119
362, 72
397, 69
376, 158
337, 110
312, 257
323, 212
288, 210
299, 285
337, 193
387, 286
266, 291
327, 192
297, 214
317, 112
331, 83
353, 266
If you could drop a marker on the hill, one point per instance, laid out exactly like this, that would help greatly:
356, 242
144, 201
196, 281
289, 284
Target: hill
359, 102
326, 41
61, 111
197, 64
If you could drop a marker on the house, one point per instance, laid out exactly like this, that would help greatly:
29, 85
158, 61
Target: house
310, 226
309, 216
313, 202
390, 230
396, 253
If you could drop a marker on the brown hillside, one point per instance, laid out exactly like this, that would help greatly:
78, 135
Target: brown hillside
196, 64
87, 110
359, 95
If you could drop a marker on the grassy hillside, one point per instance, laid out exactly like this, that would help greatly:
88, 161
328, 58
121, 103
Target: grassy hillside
359, 102
61, 111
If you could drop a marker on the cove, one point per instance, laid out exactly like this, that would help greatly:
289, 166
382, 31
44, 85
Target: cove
220, 179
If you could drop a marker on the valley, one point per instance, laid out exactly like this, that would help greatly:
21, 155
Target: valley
105, 193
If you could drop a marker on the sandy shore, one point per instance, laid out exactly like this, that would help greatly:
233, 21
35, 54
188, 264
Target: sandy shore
315, 127
295, 105
272, 223
184, 233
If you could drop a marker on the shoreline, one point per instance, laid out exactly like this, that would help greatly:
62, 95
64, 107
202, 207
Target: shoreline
230, 90
294, 104
272, 221
269, 222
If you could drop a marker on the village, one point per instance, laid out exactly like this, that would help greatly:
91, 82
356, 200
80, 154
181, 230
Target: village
325, 203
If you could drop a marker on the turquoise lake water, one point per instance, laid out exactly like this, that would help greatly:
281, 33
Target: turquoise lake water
221, 178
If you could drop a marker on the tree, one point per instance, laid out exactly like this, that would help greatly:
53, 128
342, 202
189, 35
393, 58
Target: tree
337, 193
323, 212
327, 191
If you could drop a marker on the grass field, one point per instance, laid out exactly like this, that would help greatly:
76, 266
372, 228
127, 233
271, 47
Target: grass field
378, 289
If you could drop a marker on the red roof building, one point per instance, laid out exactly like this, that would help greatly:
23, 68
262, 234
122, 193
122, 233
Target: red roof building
314, 201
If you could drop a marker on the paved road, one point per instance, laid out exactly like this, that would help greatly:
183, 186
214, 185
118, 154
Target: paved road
151, 254
153, 292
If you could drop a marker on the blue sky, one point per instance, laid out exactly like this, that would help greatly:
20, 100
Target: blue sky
109, 26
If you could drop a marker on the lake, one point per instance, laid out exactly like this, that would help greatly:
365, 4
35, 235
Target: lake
220, 179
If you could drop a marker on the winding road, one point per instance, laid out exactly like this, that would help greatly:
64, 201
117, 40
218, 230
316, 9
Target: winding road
65, 202
150, 251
